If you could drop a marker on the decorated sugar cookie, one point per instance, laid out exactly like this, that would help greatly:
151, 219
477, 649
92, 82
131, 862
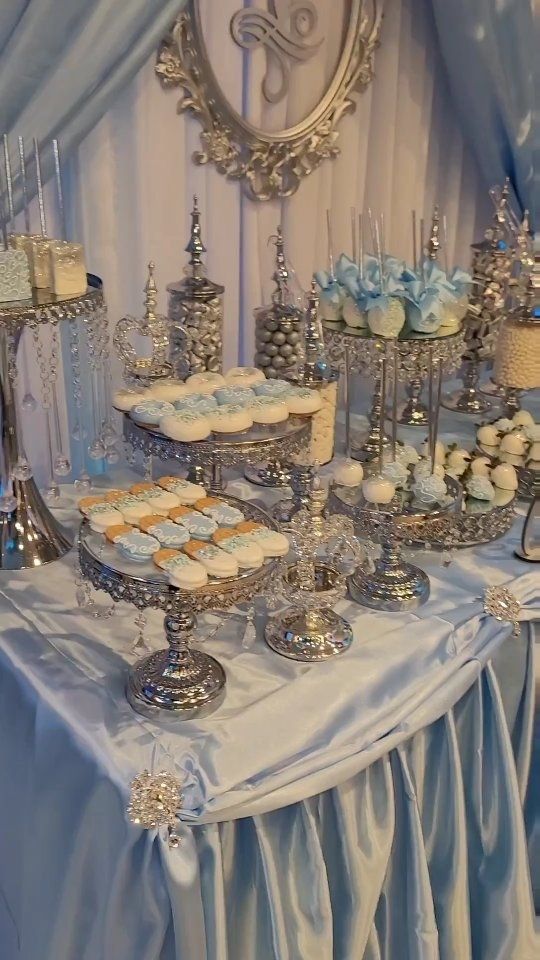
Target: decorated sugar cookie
217, 562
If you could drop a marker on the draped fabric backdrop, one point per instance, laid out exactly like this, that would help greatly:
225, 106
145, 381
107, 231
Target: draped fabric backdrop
131, 181
490, 49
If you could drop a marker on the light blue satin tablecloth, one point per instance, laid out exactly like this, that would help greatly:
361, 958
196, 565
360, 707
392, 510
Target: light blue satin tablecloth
377, 807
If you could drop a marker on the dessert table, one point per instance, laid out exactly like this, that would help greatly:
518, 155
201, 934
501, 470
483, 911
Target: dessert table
377, 806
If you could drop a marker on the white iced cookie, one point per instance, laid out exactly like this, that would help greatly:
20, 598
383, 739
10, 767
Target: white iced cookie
198, 402
522, 418
396, 472
423, 469
488, 435
430, 490
133, 509
169, 390
378, 490
271, 542
185, 426
244, 376
161, 501
349, 474
204, 382
303, 401
504, 425
268, 410
186, 491
243, 548
514, 444
230, 418
480, 488
504, 476
103, 515
440, 451
217, 562
480, 467
137, 546
182, 572
151, 411
272, 388
124, 400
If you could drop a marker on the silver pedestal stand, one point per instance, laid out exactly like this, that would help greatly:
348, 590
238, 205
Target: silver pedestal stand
280, 442
179, 682
29, 534
270, 474
394, 584
355, 350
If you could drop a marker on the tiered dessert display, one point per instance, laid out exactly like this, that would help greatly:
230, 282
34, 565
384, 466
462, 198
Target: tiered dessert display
171, 547
309, 630
389, 504
195, 312
515, 442
372, 305
279, 349
42, 282
491, 268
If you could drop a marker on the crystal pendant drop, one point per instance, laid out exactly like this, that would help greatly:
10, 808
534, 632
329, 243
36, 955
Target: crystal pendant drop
22, 469
8, 503
52, 492
61, 466
96, 451
78, 432
112, 456
29, 403
83, 481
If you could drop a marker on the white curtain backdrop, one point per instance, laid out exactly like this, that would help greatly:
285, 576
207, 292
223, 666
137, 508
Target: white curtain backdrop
131, 182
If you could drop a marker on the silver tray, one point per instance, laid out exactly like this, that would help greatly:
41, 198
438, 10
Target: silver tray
278, 441
144, 585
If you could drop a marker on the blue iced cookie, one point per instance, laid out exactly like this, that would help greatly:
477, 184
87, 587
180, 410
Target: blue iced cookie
198, 526
224, 514
199, 402
242, 395
137, 546
151, 411
169, 534
272, 388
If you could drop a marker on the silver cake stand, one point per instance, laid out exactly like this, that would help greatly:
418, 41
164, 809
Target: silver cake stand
207, 458
180, 681
357, 350
394, 584
29, 534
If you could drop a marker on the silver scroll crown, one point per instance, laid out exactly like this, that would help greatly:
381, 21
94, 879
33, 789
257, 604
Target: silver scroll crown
151, 325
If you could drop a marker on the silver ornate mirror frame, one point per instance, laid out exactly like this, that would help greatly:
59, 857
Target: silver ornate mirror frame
271, 164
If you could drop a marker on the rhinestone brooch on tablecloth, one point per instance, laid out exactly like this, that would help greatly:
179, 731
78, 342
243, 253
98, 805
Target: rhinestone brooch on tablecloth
501, 603
155, 802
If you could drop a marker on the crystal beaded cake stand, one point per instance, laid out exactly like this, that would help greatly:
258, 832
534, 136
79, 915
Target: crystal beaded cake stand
29, 534
357, 350
279, 441
394, 584
180, 681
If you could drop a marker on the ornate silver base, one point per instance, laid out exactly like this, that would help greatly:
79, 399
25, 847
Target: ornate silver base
313, 636
179, 681
270, 474
30, 536
391, 586
469, 400
414, 412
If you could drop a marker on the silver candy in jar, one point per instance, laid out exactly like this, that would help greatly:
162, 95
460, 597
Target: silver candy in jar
195, 313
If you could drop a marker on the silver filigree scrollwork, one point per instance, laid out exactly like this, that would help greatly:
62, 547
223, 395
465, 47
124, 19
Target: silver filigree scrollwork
283, 31
271, 166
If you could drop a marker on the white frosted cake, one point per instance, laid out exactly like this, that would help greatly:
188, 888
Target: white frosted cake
14, 276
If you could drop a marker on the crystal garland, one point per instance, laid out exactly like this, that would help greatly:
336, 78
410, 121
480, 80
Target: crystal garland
105, 437
45, 366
